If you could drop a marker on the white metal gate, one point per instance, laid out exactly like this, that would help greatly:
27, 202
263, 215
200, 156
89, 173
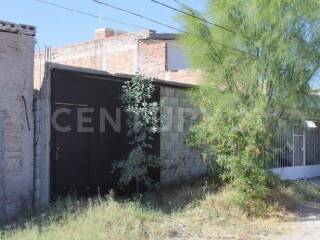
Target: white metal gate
297, 153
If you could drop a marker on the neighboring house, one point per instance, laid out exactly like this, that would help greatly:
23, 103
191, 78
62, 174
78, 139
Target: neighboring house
146, 52
16, 118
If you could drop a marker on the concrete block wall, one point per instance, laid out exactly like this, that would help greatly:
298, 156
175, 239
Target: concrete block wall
180, 162
16, 134
37, 147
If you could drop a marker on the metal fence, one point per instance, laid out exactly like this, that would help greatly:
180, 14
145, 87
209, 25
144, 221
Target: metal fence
295, 147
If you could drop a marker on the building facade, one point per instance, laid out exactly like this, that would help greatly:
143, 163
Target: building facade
180, 163
145, 52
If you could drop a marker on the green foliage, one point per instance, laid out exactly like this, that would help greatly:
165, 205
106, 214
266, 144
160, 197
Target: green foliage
143, 121
256, 73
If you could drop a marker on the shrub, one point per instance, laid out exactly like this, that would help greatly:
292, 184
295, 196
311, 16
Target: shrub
143, 121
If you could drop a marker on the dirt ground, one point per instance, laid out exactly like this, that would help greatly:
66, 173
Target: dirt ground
307, 227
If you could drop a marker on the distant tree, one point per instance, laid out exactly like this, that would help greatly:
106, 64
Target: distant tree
143, 122
258, 59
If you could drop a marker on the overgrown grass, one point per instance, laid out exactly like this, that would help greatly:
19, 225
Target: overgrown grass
196, 210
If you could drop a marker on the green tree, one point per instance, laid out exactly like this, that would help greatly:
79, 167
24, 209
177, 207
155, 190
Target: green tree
258, 59
143, 122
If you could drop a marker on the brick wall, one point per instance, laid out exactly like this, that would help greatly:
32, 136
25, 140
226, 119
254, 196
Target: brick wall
127, 53
152, 58
181, 162
188, 76
121, 62
115, 54
16, 166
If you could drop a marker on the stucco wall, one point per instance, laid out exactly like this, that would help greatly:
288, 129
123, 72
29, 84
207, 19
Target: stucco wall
16, 137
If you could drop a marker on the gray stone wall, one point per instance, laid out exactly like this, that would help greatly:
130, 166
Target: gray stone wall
16, 97
180, 162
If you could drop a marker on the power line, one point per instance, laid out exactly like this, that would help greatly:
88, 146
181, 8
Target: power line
127, 24
191, 15
137, 15
163, 24
89, 14
182, 4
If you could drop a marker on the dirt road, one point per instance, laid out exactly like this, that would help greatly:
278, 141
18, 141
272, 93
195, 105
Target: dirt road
307, 227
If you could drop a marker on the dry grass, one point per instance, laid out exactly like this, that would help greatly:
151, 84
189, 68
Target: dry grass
197, 210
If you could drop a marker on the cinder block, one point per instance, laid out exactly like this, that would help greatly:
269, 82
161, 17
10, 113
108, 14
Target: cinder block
166, 100
170, 92
174, 137
195, 154
174, 155
173, 101
198, 162
37, 183
169, 173
167, 180
37, 161
162, 91
178, 128
37, 172
185, 103
183, 172
196, 171
179, 146
189, 163
182, 119
180, 93
182, 136
165, 137
190, 111
166, 128
37, 151
164, 153
168, 146
37, 194
167, 110
185, 153
179, 111
170, 119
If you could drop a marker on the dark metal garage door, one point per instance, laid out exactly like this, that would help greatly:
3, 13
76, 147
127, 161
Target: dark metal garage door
88, 133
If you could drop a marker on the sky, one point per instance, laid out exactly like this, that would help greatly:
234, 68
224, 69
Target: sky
58, 27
